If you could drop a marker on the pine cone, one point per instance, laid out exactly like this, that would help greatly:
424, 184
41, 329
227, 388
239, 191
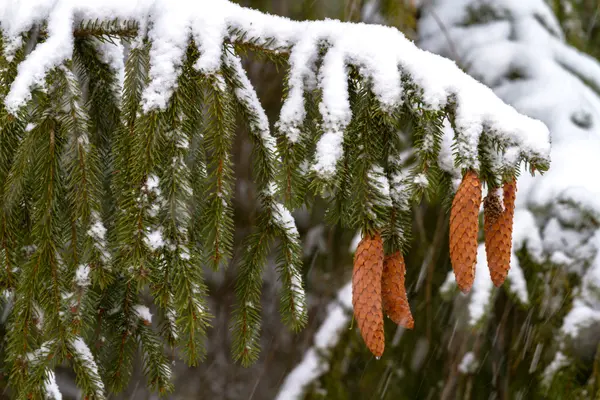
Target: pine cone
366, 292
498, 235
395, 301
464, 225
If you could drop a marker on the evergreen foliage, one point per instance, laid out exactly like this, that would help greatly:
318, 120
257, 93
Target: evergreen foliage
113, 202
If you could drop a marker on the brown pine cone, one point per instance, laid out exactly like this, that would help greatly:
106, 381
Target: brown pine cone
395, 301
366, 292
464, 225
498, 234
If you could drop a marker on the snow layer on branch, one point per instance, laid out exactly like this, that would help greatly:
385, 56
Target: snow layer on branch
380, 54
314, 364
86, 359
50, 386
113, 54
246, 95
143, 313
82, 275
284, 220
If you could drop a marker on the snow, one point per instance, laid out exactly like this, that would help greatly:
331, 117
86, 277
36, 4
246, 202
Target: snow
97, 232
560, 361
380, 54
82, 275
329, 152
42, 353
581, 316
421, 180
85, 357
50, 386
152, 183
298, 292
112, 53
154, 239
468, 364
381, 185
526, 233
355, 242
313, 364
248, 97
400, 191
481, 292
516, 280
143, 312
284, 220
446, 155
449, 286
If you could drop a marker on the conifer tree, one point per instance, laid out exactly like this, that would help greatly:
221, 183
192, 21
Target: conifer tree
117, 124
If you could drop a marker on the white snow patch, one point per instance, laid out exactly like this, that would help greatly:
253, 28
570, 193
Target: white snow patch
284, 220
580, 317
51, 387
313, 365
516, 280
468, 364
526, 233
113, 54
298, 292
449, 286
143, 312
355, 242
82, 275
559, 362
83, 353
154, 239
247, 96
329, 152
481, 292
421, 180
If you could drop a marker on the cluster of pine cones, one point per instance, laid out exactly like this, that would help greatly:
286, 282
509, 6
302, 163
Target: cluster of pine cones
498, 213
378, 287
378, 281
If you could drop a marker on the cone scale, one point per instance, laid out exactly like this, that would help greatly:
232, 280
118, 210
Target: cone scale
366, 292
498, 232
464, 225
395, 300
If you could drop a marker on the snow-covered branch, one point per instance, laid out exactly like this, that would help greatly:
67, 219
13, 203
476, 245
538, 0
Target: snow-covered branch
391, 63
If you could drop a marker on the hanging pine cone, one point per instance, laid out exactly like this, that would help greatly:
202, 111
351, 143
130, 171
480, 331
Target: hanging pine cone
464, 225
366, 292
395, 301
498, 232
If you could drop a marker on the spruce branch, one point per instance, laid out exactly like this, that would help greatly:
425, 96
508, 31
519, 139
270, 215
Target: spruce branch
86, 369
218, 139
246, 316
156, 366
178, 285
293, 307
266, 159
